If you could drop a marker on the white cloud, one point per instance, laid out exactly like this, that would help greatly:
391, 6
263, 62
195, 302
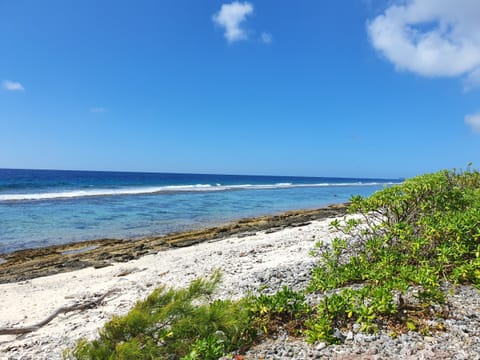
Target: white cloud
98, 110
231, 17
431, 38
473, 121
12, 85
266, 38
472, 80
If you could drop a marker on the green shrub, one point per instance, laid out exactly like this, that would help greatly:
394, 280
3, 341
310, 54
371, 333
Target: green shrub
409, 237
170, 324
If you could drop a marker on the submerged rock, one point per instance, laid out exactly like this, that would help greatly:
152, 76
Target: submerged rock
32, 263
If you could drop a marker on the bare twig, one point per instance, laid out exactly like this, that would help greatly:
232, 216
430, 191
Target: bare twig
61, 310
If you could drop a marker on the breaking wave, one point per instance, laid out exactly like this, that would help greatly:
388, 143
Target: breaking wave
66, 194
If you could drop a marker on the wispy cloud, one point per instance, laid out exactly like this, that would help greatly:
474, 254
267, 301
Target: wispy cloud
432, 38
472, 80
12, 85
98, 110
473, 121
231, 16
266, 38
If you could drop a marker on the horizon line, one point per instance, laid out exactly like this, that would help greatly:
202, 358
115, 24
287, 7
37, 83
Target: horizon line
201, 173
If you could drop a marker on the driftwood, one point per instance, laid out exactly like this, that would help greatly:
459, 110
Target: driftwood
61, 310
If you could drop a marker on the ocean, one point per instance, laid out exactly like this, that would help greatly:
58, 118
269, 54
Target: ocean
46, 207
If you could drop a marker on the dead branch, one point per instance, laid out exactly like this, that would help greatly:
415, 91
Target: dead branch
61, 310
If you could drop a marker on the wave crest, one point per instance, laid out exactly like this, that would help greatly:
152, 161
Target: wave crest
171, 189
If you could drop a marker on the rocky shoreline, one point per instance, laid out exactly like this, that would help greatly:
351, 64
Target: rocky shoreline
31, 263
259, 247
258, 257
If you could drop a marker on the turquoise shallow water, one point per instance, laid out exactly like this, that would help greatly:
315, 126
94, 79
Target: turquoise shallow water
40, 208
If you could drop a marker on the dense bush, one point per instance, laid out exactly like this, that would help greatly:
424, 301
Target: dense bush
407, 241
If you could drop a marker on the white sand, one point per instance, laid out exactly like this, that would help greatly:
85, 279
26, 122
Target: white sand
240, 259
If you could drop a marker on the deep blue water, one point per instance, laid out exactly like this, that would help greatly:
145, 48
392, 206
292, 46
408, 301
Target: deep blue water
45, 207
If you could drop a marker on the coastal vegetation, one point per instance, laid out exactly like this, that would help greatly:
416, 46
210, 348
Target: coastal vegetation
399, 253
182, 323
409, 241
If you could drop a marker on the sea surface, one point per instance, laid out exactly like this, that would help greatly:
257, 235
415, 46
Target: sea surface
45, 207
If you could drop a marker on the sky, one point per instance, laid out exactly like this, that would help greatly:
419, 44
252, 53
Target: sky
352, 88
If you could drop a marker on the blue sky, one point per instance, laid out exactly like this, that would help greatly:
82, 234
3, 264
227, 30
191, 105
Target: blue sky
327, 88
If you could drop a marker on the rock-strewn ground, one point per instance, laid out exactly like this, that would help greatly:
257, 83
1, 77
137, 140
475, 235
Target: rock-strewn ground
270, 257
459, 340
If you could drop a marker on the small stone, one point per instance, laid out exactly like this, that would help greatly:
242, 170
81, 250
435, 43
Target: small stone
406, 351
101, 264
321, 346
338, 334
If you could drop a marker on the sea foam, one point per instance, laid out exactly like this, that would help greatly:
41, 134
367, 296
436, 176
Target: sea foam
170, 189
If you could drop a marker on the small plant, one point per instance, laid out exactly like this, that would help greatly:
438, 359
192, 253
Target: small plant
284, 308
173, 324
210, 348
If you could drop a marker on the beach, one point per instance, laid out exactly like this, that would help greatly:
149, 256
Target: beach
245, 259
266, 258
